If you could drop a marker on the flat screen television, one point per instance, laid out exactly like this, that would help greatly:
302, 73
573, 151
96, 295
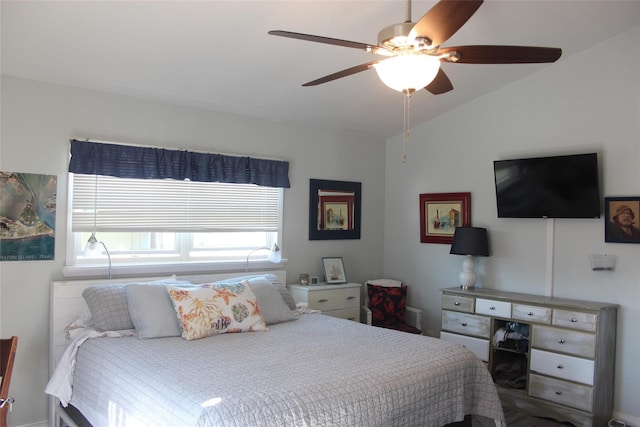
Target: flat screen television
548, 187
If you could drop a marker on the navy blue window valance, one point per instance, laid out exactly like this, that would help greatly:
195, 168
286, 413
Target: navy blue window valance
126, 161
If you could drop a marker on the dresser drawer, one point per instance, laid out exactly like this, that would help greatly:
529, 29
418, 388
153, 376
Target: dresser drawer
532, 313
575, 319
478, 346
562, 366
562, 392
493, 308
345, 313
467, 324
334, 299
567, 341
458, 303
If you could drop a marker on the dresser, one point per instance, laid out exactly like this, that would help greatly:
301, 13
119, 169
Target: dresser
334, 300
551, 357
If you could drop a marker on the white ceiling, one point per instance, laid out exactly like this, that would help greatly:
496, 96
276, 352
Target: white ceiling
217, 54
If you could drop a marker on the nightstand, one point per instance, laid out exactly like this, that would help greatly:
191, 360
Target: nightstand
334, 300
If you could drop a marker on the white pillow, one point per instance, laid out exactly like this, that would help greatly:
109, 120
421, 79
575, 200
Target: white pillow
386, 282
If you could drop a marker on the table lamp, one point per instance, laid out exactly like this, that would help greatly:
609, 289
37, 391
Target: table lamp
469, 241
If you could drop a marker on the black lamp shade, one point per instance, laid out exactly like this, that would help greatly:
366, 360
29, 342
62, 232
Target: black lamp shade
470, 241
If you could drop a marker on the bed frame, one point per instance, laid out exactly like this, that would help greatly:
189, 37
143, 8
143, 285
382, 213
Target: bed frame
68, 305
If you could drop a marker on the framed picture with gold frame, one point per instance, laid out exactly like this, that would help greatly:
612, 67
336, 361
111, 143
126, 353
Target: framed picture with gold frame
441, 213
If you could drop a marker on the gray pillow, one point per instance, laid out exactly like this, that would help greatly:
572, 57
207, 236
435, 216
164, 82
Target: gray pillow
282, 288
275, 281
272, 306
151, 311
108, 305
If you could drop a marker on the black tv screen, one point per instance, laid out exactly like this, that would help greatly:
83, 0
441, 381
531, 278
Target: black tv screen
548, 187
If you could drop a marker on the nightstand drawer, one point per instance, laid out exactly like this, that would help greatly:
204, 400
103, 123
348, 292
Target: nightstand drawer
562, 392
458, 303
345, 313
532, 313
561, 366
575, 320
479, 347
493, 308
334, 299
563, 340
467, 324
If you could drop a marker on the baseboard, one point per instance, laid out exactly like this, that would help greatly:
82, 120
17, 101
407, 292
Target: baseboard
44, 423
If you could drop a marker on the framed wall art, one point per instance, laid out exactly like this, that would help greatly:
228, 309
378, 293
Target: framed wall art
334, 209
333, 269
27, 216
621, 216
441, 213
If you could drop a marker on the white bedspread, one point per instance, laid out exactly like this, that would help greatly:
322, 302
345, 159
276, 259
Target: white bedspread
315, 371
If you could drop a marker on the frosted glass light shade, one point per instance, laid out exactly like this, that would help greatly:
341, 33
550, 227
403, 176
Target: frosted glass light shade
408, 72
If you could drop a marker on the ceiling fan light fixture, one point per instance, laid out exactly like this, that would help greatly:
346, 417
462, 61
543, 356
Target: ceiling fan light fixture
408, 73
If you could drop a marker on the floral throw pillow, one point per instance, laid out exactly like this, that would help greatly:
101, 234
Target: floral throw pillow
213, 309
387, 304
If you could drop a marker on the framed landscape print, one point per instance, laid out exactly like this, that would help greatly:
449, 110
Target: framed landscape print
441, 213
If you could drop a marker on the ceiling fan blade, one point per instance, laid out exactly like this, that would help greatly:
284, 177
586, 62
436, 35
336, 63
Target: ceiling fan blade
343, 73
440, 84
326, 40
444, 19
502, 54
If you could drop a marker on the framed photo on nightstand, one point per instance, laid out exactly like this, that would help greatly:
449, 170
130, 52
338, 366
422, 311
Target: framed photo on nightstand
333, 269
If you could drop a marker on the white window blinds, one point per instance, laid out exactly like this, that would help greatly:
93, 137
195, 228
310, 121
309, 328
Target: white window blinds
104, 203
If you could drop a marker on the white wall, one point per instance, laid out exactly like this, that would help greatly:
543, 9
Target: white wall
589, 102
37, 121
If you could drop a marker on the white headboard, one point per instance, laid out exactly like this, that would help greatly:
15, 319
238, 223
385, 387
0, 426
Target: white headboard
67, 304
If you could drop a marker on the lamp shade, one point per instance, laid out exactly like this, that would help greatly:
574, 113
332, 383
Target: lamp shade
408, 72
470, 241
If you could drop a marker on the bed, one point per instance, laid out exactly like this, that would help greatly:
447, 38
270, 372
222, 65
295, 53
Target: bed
309, 369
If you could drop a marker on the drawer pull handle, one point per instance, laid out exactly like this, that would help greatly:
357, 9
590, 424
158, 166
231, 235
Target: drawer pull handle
561, 341
530, 313
558, 393
323, 300
351, 297
574, 320
464, 323
456, 303
559, 366
492, 308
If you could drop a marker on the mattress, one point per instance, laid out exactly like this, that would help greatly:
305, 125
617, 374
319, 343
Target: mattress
314, 371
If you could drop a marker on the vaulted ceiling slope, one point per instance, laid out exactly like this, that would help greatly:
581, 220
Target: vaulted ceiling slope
218, 55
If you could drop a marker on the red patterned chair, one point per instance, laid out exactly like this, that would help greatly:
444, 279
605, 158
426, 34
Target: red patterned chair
386, 306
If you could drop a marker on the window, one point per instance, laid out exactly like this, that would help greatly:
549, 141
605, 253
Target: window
169, 222
173, 209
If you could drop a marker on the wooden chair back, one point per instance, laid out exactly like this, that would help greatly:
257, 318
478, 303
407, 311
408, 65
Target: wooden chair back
7, 357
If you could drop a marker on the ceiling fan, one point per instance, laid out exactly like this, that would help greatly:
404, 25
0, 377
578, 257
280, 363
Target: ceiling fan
413, 51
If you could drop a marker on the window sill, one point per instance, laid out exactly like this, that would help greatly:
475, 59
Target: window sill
177, 268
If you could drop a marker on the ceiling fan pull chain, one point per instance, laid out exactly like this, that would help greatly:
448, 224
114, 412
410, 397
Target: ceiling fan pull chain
407, 129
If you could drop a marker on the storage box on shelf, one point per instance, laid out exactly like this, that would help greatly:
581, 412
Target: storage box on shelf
334, 300
548, 356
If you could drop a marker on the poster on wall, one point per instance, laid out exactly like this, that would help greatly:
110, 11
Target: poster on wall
27, 216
